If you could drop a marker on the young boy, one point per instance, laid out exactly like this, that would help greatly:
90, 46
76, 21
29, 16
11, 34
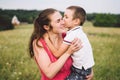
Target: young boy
74, 18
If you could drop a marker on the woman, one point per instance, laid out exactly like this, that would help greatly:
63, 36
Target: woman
50, 22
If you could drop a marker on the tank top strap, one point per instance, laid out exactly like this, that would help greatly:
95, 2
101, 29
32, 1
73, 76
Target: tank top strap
52, 58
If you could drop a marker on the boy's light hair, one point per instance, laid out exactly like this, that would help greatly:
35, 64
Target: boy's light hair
79, 13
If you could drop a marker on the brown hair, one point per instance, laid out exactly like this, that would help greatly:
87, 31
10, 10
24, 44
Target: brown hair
39, 31
79, 13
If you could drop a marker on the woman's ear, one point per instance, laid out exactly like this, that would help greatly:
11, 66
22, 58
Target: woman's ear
46, 27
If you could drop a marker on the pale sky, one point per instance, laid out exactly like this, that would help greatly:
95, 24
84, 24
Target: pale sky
91, 6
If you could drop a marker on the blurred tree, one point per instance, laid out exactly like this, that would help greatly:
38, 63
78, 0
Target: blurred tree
105, 20
5, 23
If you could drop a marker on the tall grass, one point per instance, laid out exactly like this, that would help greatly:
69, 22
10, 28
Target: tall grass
106, 48
15, 63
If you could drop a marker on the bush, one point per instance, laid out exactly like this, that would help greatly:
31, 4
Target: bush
106, 20
5, 23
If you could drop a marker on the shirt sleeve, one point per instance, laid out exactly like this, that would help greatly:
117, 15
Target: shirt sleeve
69, 38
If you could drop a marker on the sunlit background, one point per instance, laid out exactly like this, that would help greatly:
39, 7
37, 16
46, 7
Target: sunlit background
99, 6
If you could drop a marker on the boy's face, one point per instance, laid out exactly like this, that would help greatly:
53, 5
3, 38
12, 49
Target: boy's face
68, 18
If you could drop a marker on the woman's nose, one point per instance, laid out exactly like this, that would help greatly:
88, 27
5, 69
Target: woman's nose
63, 18
62, 21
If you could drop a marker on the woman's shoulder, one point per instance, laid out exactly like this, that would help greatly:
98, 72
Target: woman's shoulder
37, 47
37, 43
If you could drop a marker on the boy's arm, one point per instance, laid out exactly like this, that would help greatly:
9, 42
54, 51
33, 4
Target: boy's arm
57, 52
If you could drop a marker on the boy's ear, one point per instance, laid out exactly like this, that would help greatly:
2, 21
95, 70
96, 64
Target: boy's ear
46, 27
77, 21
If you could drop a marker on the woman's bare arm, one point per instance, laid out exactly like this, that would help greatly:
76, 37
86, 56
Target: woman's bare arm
51, 69
63, 47
57, 52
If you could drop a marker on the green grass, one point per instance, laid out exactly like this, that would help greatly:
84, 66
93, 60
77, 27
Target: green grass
15, 63
106, 48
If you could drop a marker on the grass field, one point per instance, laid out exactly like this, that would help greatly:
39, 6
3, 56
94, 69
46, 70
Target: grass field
15, 63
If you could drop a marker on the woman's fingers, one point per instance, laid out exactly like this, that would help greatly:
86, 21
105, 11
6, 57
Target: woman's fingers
90, 76
77, 44
73, 42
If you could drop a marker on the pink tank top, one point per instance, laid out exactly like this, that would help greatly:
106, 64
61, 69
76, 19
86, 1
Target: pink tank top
63, 73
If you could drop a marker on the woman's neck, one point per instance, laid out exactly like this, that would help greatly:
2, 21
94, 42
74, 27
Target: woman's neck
56, 39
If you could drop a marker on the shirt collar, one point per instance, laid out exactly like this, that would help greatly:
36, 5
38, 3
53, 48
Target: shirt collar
77, 27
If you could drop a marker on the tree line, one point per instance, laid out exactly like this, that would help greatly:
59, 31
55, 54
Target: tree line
28, 16
104, 20
6, 16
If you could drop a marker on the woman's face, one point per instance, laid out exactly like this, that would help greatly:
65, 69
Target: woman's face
57, 23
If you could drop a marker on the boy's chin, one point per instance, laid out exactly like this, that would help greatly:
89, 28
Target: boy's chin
66, 29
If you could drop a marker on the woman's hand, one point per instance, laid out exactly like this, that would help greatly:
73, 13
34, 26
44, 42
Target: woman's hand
75, 46
90, 77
